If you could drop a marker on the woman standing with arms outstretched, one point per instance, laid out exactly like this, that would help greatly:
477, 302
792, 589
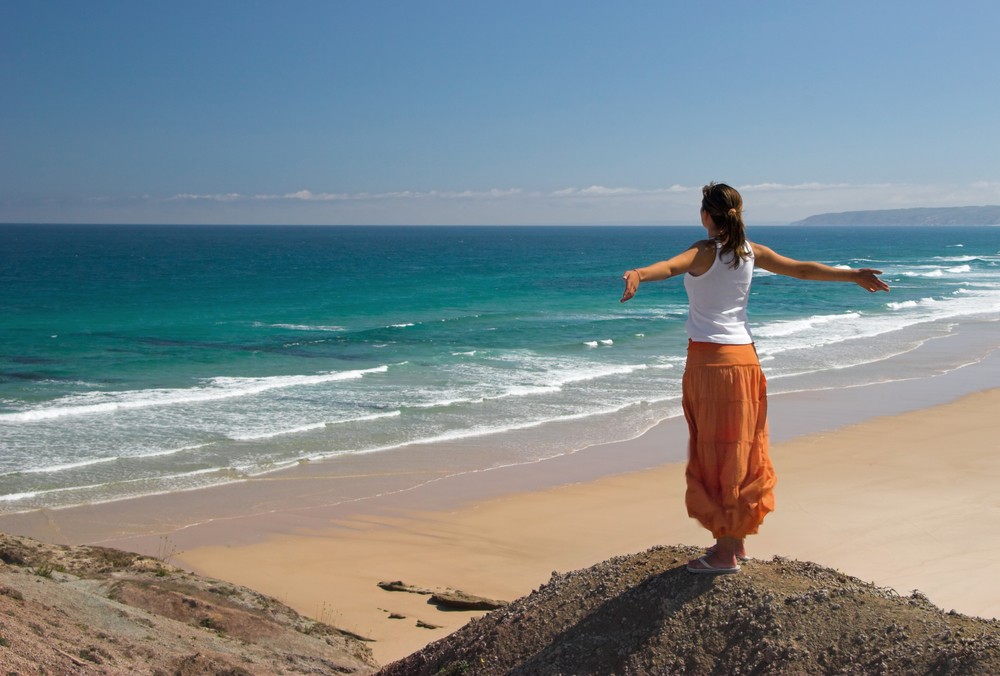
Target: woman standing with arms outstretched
730, 479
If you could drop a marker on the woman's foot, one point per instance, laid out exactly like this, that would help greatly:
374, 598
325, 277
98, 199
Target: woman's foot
704, 566
720, 558
741, 554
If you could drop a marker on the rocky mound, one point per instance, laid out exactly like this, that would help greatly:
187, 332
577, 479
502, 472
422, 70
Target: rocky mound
644, 614
84, 610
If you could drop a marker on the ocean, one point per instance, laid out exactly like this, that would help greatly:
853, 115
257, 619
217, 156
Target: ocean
137, 360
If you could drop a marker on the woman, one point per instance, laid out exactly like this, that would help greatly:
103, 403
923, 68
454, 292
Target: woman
730, 479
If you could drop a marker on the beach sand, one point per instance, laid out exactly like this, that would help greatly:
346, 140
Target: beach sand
891, 482
906, 501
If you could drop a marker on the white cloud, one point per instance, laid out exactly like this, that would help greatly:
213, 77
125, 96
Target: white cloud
757, 187
604, 191
765, 203
565, 192
310, 196
221, 197
601, 191
593, 191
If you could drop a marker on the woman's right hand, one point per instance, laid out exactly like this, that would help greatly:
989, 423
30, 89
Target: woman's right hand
631, 278
868, 279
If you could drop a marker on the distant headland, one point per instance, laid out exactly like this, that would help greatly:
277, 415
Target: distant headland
988, 215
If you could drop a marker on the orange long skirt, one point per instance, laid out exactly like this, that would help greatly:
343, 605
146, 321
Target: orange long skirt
730, 479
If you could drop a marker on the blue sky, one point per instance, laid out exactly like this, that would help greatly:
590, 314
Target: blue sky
492, 112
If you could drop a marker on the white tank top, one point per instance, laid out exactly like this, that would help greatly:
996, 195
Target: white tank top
717, 301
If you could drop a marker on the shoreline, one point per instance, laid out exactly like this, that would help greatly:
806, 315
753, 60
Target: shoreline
876, 500
916, 353
499, 532
446, 475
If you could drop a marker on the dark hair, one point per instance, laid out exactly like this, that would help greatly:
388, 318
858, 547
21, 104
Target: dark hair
724, 204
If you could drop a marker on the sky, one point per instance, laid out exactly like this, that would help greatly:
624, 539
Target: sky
488, 112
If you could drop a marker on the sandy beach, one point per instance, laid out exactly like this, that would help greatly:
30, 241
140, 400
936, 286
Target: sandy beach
905, 501
891, 482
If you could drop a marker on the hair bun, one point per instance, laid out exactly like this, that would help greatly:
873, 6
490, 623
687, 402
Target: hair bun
733, 213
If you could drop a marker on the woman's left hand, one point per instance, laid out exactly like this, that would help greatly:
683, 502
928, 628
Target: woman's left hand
631, 278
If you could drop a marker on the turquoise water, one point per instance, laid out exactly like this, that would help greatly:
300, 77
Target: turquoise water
137, 360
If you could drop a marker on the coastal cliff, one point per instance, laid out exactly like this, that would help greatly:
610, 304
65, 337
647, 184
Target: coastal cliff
93, 610
986, 215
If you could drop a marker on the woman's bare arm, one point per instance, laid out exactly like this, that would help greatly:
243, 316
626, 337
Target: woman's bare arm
695, 259
866, 278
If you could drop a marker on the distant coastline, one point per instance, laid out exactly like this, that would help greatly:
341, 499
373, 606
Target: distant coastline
987, 215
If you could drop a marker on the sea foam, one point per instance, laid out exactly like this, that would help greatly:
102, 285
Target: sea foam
213, 390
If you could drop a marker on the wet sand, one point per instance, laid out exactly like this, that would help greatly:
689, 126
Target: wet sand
905, 501
891, 482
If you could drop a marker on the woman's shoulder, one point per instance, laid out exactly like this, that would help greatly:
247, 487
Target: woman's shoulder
704, 257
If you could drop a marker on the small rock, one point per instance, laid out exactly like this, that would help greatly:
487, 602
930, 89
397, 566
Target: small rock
11, 592
462, 601
400, 586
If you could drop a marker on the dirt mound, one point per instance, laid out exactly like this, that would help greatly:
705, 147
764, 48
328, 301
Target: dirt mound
98, 610
644, 614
